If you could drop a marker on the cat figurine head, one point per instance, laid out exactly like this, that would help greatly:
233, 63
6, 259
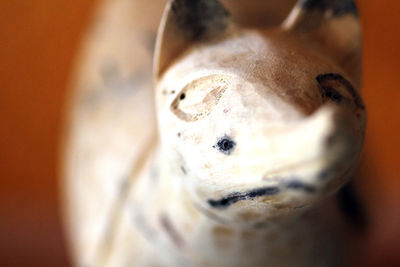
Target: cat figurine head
259, 123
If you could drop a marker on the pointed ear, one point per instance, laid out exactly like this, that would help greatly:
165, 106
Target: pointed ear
184, 23
335, 25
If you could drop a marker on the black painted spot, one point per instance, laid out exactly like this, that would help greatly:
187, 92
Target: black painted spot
225, 202
300, 186
226, 145
324, 174
197, 18
182, 96
183, 170
171, 231
351, 207
338, 7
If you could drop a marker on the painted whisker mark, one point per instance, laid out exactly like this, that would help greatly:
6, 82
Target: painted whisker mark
300, 186
171, 231
225, 202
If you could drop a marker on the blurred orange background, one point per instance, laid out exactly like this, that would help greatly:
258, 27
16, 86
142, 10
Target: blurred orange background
38, 42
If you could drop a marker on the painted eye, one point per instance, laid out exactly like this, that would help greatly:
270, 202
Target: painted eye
226, 145
332, 94
198, 98
337, 89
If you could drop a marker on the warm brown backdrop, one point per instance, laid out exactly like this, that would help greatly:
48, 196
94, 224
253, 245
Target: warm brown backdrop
38, 40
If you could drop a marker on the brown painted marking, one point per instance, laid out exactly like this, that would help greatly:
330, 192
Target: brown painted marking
171, 231
223, 236
249, 235
282, 206
269, 199
248, 216
223, 231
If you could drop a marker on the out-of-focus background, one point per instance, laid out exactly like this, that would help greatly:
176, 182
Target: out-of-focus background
38, 43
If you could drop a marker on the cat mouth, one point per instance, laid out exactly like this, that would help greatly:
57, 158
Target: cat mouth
227, 201
293, 183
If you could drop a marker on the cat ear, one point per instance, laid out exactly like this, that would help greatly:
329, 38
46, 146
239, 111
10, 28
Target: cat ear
184, 23
335, 25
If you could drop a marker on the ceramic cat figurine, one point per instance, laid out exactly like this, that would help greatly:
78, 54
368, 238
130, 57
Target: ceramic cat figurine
256, 130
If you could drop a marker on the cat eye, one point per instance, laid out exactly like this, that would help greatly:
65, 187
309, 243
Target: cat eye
198, 98
332, 94
334, 87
